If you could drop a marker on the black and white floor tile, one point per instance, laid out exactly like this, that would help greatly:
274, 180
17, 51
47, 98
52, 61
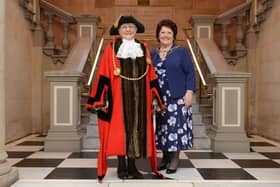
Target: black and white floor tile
262, 164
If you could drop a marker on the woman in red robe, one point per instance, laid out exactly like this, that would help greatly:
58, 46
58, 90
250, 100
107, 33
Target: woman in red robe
124, 87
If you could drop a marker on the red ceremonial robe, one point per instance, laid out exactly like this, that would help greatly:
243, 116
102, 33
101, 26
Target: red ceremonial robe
106, 91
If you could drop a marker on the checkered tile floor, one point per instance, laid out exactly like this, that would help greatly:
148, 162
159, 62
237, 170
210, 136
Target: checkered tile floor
261, 164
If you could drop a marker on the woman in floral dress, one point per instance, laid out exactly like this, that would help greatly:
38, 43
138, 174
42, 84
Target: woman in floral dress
176, 78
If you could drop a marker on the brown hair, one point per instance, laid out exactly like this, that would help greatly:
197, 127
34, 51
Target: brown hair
167, 23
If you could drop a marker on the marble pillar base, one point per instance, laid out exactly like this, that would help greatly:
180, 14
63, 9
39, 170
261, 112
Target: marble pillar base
229, 141
63, 141
8, 175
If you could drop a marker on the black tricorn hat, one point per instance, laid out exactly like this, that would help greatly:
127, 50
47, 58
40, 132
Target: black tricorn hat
126, 19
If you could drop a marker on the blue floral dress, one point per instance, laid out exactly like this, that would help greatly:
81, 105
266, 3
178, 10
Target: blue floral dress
174, 125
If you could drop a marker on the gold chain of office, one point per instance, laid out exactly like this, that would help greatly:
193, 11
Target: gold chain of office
117, 71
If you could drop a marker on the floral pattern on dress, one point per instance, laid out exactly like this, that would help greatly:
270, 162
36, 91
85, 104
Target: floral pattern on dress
174, 125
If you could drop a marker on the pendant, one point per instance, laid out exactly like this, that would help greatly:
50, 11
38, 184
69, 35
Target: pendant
117, 71
148, 61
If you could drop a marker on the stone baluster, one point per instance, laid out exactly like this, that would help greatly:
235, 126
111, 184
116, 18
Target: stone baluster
65, 41
50, 33
224, 41
239, 33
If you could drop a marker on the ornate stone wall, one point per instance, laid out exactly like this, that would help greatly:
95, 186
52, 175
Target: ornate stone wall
178, 10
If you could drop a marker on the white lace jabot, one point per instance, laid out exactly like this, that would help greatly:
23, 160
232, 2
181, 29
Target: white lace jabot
129, 49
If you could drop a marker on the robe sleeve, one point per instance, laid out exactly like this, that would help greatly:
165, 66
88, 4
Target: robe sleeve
188, 69
101, 95
154, 81
101, 85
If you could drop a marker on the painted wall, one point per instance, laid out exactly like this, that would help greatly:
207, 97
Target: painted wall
18, 73
2, 76
268, 76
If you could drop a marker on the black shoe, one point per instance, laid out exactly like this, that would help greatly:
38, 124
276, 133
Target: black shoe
135, 174
162, 166
164, 161
122, 170
174, 162
122, 174
170, 171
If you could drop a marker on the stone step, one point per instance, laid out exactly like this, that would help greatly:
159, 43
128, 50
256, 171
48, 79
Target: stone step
85, 94
201, 143
200, 130
205, 108
205, 100
91, 140
195, 107
207, 118
197, 117
201, 140
140, 183
147, 183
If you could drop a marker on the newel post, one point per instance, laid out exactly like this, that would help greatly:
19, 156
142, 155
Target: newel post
63, 134
227, 132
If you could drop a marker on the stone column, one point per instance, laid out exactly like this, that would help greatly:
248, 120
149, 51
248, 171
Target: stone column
63, 134
227, 132
251, 43
8, 175
37, 71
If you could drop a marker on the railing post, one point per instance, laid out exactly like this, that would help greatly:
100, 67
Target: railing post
65, 41
239, 33
227, 132
203, 26
240, 49
224, 42
50, 33
63, 134
87, 25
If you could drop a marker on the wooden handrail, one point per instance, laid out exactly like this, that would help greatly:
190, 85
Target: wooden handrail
194, 56
96, 57
196, 63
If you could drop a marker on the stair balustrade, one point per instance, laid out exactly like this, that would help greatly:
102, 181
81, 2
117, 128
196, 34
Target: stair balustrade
54, 21
236, 19
235, 23
68, 119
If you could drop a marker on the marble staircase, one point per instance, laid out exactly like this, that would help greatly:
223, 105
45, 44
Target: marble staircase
201, 119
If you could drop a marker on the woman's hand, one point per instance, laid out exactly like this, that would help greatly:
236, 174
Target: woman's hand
188, 98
